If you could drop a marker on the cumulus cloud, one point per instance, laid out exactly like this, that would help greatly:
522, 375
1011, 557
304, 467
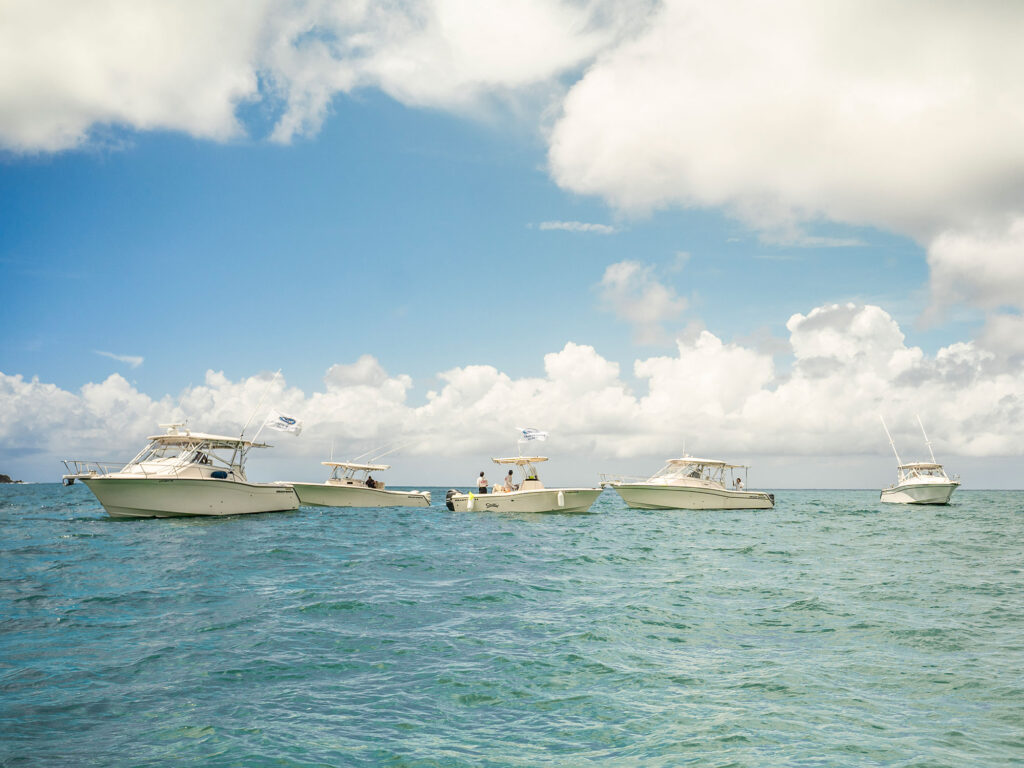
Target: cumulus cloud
790, 111
131, 360
983, 266
70, 66
631, 291
188, 66
905, 118
850, 363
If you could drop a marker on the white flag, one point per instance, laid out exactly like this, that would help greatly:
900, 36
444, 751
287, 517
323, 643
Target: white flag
529, 433
283, 423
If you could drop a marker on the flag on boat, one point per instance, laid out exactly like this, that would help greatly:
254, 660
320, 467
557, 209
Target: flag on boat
282, 423
529, 433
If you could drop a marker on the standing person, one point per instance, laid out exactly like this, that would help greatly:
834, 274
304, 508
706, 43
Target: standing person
481, 483
509, 485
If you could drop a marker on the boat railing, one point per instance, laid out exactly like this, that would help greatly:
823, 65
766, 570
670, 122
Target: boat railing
87, 468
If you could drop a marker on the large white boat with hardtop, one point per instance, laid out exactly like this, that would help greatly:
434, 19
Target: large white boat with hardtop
182, 473
690, 483
919, 482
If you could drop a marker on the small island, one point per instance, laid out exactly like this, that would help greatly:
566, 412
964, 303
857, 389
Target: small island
7, 479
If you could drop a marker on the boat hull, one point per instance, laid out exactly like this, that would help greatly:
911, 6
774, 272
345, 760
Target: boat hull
325, 495
919, 493
130, 497
644, 496
573, 500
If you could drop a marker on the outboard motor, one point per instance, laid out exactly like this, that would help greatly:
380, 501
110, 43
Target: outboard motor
448, 499
772, 497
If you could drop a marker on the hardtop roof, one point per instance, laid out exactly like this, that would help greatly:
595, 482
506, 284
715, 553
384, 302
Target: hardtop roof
707, 462
357, 467
212, 441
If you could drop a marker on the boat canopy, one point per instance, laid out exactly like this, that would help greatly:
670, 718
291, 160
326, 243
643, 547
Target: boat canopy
520, 460
211, 441
686, 460
690, 468
921, 465
356, 467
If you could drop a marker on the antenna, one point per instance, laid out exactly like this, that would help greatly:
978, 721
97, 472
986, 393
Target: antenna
890, 440
926, 440
392, 450
258, 406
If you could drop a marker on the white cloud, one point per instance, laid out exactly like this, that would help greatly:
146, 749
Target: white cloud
850, 363
187, 66
983, 266
856, 111
903, 117
631, 291
578, 226
1003, 334
132, 360
70, 66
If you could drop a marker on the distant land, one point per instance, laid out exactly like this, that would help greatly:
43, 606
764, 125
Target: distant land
7, 479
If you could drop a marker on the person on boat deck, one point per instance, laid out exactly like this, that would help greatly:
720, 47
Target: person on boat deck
738, 483
509, 485
370, 482
481, 483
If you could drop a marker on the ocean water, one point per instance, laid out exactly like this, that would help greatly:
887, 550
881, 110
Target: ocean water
830, 631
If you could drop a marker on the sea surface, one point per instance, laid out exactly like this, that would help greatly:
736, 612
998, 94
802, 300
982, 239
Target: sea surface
830, 631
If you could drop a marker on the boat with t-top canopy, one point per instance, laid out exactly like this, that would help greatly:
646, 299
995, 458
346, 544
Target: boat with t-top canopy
352, 485
526, 495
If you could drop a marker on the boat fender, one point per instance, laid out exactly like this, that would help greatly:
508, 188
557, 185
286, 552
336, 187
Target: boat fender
448, 499
469, 504
561, 499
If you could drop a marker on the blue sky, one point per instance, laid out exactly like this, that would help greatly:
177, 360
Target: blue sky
412, 235
398, 197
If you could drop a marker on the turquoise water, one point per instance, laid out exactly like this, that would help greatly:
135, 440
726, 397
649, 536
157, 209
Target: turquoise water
830, 631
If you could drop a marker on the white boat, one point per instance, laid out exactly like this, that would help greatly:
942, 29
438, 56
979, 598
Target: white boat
690, 483
528, 495
348, 486
183, 473
919, 482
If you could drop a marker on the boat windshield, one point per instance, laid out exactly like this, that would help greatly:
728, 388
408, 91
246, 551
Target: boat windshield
912, 472
673, 471
180, 453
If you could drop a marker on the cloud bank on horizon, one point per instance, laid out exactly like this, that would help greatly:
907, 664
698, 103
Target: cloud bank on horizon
849, 363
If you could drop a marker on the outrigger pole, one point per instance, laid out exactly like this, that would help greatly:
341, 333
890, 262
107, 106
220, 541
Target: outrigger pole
257, 408
926, 440
890, 440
